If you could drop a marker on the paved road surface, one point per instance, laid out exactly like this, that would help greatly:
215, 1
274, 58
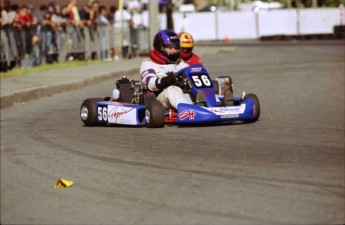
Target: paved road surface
287, 168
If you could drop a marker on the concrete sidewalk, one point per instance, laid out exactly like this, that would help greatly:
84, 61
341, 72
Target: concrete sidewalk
33, 86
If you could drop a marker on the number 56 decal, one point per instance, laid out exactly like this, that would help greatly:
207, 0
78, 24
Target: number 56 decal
102, 113
201, 81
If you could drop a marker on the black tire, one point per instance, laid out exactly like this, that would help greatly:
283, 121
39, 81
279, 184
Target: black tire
88, 111
154, 112
216, 86
255, 99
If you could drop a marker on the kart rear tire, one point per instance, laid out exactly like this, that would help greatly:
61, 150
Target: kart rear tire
88, 111
255, 99
154, 113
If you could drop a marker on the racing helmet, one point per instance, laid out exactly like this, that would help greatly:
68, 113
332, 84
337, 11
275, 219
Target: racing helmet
166, 39
187, 44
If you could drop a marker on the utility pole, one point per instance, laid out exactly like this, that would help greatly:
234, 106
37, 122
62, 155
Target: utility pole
121, 24
288, 4
314, 3
170, 22
153, 21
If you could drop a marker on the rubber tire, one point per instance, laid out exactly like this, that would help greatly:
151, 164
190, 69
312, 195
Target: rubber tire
156, 110
255, 99
90, 104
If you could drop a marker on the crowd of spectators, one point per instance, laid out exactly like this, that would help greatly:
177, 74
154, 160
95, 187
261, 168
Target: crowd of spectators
39, 34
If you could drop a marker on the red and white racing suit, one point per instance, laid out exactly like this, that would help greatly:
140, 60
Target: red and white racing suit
191, 58
155, 68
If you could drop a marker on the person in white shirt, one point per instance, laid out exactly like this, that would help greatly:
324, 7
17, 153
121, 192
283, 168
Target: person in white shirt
122, 38
133, 6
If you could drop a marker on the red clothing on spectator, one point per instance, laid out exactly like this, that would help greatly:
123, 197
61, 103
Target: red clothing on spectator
21, 19
29, 18
74, 13
24, 19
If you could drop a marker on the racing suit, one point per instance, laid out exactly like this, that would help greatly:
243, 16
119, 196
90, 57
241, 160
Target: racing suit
152, 73
191, 59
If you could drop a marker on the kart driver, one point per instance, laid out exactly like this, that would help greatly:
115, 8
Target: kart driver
187, 44
158, 72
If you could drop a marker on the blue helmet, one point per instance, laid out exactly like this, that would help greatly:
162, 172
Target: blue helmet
164, 39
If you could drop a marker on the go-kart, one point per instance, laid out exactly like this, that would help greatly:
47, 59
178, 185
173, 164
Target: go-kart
212, 102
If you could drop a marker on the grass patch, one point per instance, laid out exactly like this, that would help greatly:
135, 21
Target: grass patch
45, 67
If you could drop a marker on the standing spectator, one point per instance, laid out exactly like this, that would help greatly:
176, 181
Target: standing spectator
12, 28
59, 21
122, 37
5, 50
40, 39
94, 13
88, 16
34, 55
162, 5
50, 28
74, 13
111, 13
133, 6
103, 31
5, 9
24, 23
144, 4
29, 27
74, 30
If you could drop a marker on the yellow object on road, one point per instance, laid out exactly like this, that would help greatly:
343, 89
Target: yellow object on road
62, 183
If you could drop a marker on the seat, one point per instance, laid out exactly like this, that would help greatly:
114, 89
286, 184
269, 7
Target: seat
125, 88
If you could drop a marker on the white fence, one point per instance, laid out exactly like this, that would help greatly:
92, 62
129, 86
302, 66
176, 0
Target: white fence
252, 25
319, 20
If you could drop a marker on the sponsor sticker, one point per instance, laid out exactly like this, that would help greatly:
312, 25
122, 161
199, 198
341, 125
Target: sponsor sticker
121, 115
187, 114
229, 110
226, 116
196, 69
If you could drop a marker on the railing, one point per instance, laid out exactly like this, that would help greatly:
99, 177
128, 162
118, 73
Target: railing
31, 46
39, 44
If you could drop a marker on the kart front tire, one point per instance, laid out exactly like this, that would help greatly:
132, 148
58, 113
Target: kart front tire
154, 112
256, 106
88, 111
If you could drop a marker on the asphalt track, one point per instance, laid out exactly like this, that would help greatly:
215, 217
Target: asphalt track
287, 168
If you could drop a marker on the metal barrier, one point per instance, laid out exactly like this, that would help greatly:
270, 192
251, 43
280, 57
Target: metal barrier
69, 42
39, 44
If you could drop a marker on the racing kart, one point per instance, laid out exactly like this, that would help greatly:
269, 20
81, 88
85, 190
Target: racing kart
133, 104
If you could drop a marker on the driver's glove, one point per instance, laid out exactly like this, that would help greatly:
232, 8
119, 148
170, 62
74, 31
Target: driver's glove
165, 82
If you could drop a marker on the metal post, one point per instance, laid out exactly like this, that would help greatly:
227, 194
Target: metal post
298, 21
257, 24
314, 3
288, 4
170, 22
216, 25
121, 26
153, 21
